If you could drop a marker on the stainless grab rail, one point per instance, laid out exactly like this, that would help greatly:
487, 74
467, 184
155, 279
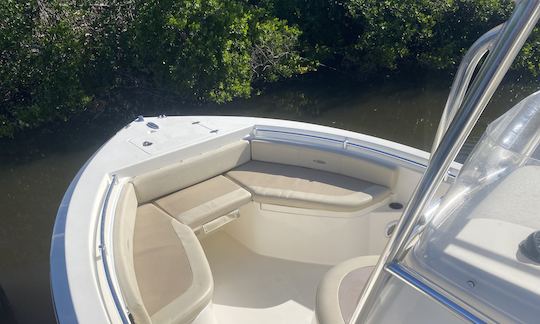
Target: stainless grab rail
509, 42
462, 80
104, 254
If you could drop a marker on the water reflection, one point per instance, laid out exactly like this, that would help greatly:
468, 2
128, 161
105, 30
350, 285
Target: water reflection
35, 171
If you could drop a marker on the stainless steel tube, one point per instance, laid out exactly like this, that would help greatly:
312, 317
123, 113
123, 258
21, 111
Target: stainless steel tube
512, 37
462, 80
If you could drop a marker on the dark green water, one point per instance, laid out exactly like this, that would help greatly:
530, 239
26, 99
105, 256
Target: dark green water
36, 170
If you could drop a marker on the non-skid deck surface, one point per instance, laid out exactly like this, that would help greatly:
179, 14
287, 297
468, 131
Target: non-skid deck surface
250, 288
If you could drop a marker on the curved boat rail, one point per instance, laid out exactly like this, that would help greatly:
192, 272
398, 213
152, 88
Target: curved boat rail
334, 142
346, 145
103, 248
509, 41
463, 78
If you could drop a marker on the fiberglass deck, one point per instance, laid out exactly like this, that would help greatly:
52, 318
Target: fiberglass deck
251, 288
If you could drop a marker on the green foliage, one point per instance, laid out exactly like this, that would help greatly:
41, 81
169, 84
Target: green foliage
367, 36
391, 30
212, 50
42, 61
274, 55
458, 26
529, 58
59, 58
199, 48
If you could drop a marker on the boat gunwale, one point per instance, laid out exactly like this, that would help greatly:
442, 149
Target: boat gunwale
410, 157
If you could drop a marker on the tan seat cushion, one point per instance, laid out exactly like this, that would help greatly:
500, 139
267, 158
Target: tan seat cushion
363, 168
124, 227
301, 187
172, 273
340, 289
203, 202
182, 174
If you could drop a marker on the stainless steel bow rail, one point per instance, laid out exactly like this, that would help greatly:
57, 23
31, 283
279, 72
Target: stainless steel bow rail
463, 79
503, 44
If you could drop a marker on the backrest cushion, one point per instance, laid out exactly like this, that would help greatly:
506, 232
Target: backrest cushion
172, 271
160, 260
299, 155
173, 177
125, 215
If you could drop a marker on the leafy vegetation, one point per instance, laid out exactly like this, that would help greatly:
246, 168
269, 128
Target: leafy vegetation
59, 58
364, 36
